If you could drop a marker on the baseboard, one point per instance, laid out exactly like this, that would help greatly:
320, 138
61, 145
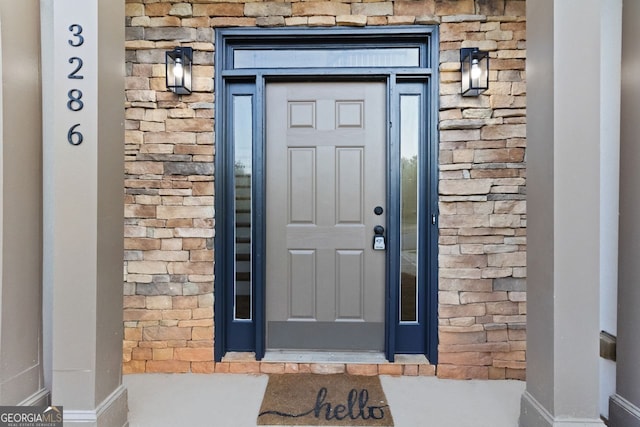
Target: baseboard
112, 412
533, 414
623, 413
40, 398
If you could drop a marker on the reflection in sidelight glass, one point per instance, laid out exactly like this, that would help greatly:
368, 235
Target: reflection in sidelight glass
243, 136
409, 203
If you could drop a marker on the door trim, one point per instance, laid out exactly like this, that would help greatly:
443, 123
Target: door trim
228, 79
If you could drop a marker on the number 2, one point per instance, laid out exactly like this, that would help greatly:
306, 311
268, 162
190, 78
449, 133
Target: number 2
74, 74
76, 31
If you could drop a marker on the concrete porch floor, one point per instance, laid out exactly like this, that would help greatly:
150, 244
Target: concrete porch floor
233, 400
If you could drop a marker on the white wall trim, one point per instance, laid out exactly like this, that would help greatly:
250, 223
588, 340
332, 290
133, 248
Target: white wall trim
95, 417
40, 398
533, 414
622, 412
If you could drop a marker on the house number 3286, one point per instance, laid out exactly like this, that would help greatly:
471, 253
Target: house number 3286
74, 102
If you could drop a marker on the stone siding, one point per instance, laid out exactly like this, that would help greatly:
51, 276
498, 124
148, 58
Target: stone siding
168, 291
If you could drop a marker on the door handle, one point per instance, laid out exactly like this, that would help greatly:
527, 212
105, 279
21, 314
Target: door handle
379, 243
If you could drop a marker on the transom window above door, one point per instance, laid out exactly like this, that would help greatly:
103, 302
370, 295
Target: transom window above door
402, 49
332, 58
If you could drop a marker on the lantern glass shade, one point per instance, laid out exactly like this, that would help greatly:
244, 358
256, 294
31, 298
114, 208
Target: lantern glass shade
178, 70
475, 71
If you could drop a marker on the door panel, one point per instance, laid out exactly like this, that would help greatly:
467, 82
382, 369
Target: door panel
349, 284
325, 174
302, 173
349, 187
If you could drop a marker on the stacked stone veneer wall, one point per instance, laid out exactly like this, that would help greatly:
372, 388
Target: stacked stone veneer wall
169, 213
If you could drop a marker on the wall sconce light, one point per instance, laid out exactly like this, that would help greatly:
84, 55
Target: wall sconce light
475, 71
178, 70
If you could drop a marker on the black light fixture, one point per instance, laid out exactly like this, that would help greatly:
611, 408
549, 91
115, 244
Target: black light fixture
475, 71
178, 70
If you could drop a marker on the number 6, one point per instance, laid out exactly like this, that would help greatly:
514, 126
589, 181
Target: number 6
74, 137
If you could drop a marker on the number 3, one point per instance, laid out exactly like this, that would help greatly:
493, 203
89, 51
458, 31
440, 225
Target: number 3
76, 30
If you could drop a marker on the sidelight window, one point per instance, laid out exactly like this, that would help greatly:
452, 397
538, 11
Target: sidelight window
242, 166
409, 206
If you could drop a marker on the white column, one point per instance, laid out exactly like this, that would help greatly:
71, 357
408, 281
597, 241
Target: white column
83, 86
567, 181
610, 54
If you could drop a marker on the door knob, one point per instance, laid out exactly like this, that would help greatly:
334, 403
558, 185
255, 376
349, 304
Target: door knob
379, 243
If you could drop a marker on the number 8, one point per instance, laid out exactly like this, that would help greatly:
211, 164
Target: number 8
75, 100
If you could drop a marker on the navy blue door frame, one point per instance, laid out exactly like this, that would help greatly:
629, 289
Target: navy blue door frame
231, 79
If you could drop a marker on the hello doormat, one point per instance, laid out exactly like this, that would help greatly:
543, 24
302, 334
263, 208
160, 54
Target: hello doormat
324, 400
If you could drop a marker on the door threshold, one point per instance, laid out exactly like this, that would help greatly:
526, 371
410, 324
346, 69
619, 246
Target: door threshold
351, 357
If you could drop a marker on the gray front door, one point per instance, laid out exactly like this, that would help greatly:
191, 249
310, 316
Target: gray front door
325, 175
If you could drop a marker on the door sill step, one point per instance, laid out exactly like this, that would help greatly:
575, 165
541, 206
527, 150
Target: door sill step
351, 357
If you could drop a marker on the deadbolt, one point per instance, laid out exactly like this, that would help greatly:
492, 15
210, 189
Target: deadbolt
378, 210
